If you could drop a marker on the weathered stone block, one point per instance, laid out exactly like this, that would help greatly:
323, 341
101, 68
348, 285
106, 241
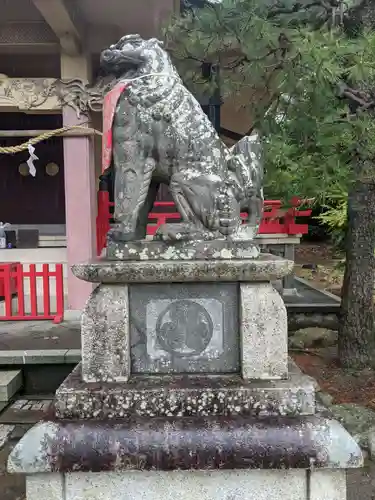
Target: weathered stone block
180, 396
105, 335
42, 487
328, 485
184, 328
10, 382
294, 484
182, 250
266, 268
178, 485
264, 332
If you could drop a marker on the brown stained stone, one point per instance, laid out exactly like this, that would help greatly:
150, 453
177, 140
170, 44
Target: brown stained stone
181, 396
185, 444
266, 268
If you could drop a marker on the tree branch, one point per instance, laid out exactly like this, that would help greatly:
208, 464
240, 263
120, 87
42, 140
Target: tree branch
298, 7
360, 99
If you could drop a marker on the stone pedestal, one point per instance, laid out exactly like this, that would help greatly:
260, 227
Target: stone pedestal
237, 319
185, 390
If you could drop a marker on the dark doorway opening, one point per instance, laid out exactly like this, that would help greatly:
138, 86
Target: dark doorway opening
25, 199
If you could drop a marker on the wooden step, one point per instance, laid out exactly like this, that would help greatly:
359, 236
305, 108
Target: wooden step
52, 241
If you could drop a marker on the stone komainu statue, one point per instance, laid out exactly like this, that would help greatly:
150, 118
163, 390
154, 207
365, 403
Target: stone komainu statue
156, 132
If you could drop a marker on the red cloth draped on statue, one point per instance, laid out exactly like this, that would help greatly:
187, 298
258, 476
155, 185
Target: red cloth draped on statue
109, 108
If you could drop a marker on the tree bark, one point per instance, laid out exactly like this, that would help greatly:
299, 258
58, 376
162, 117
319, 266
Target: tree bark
356, 327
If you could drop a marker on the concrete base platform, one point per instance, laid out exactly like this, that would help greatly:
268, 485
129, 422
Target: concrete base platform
206, 485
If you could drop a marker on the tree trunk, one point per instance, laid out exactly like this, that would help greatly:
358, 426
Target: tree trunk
356, 327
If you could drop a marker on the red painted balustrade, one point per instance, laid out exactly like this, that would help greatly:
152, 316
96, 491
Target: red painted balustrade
276, 219
15, 277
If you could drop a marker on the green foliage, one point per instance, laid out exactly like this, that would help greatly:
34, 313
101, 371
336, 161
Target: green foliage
311, 86
315, 148
335, 217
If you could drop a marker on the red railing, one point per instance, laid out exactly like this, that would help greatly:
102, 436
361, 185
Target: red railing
276, 220
13, 279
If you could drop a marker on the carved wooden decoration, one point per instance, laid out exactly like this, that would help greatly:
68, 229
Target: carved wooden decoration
49, 94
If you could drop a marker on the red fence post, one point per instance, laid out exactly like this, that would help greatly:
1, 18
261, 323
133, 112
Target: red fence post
7, 286
46, 290
33, 290
292, 213
20, 290
271, 221
59, 293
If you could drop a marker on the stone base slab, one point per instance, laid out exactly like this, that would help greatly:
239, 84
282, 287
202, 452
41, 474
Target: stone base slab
172, 444
185, 485
266, 267
182, 250
181, 396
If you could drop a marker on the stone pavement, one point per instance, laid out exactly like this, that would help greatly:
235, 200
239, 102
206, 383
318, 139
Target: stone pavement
34, 335
39, 342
